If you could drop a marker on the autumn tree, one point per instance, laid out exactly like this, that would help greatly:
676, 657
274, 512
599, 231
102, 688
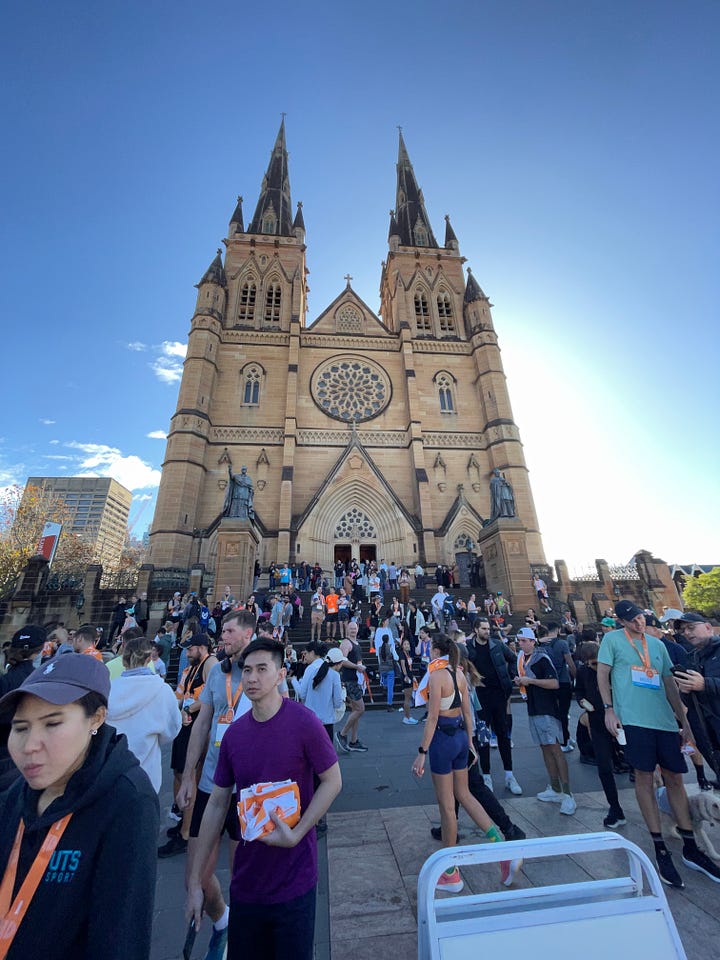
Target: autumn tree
23, 514
702, 593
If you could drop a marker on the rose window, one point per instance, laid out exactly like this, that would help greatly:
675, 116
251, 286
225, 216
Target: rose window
351, 389
354, 525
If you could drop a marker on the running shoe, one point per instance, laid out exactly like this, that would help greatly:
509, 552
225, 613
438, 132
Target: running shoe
487, 779
514, 832
666, 870
568, 748
450, 882
509, 869
493, 741
218, 944
697, 860
357, 747
613, 820
436, 834
341, 743
568, 805
548, 795
410, 720
512, 785
172, 848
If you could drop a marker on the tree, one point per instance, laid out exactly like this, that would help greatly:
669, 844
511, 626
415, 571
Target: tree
23, 513
703, 593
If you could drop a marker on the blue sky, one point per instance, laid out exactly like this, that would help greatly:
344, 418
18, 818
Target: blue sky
574, 146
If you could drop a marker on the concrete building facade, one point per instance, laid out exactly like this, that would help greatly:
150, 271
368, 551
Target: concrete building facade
98, 508
366, 435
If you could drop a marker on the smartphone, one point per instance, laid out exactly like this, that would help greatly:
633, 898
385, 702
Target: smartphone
189, 941
676, 669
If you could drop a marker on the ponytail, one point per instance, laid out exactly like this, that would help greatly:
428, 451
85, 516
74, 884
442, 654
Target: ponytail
321, 674
448, 648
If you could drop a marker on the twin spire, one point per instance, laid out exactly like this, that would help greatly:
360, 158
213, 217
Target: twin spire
409, 221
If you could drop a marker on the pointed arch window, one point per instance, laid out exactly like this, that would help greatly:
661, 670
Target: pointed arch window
445, 312
248, 296
422, 313
421, 235
273, 300
252, 381
269, 222
445, 384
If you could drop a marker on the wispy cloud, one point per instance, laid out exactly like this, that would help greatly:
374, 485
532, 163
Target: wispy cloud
137, 345
167, 366
46, 422
142, 497
100, 460
156, 435
54, 443
59, 456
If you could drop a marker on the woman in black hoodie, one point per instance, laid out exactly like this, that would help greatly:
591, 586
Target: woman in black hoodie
79, 827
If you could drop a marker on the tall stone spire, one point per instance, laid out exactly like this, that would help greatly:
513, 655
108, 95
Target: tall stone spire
273, 214
410, 215
215, 273
236, 220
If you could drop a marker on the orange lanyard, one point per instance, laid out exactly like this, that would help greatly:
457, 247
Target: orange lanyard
231, 701
12, 916
644, 656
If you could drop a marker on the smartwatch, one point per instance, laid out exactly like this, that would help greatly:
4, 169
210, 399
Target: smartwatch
420, 750
607, 706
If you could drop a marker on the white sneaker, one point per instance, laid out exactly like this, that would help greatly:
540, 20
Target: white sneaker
410, 720
548, 795
568, 805
568, 748
487, 778
512, 785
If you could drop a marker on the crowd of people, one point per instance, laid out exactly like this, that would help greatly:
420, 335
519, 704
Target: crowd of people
84, 715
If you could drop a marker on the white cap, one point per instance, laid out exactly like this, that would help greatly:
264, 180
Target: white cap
671, 614
334, 656
525, 633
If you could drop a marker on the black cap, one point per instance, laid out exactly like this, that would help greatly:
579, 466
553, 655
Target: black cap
627, 610
693, 618
29, 638
64, 679
196, 640
652, 621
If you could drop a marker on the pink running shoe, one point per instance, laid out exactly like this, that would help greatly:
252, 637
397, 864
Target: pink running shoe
450, 882
509, 869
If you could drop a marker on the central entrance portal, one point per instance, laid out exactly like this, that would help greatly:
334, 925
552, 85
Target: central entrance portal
358, 551
368, 552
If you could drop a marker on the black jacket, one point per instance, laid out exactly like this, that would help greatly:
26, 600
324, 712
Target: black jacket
10, 680
95, 900
707, 662
501, 658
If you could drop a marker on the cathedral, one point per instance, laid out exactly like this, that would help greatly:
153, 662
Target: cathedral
368, 435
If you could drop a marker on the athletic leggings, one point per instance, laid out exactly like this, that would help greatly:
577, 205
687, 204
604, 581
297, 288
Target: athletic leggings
603, 745
493, 710
564, 697
485, 797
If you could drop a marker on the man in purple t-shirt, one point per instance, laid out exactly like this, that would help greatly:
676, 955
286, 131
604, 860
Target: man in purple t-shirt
274, 880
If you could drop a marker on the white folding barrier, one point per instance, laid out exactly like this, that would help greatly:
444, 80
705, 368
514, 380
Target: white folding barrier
593, 919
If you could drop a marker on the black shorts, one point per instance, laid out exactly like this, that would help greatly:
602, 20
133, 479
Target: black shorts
332, 618
179, 749
647, 748
232, 822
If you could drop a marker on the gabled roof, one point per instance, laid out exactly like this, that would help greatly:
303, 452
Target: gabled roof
459, 501
325, 322
355, 446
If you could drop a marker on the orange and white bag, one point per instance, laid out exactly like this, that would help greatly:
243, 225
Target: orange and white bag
258, 801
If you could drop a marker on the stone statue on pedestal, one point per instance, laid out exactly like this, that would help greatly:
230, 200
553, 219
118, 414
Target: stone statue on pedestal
502, 498
239, 496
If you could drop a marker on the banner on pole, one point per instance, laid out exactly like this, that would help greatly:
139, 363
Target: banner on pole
49, 540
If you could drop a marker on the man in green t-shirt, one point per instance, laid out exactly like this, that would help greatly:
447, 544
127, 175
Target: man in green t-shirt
644, 705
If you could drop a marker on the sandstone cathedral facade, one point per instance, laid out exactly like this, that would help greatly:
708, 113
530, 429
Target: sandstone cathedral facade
366, 435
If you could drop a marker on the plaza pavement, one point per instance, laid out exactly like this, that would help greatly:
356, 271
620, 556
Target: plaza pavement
378, 838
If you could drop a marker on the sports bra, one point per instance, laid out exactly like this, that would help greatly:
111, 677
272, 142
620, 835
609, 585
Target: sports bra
452, 701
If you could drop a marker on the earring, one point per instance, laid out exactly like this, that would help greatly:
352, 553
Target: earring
93, 733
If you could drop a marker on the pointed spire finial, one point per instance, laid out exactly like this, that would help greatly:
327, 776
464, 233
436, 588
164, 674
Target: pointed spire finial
273, 211
347, 278
413, 224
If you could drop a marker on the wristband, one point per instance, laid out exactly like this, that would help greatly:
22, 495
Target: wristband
420, 750
607, 706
